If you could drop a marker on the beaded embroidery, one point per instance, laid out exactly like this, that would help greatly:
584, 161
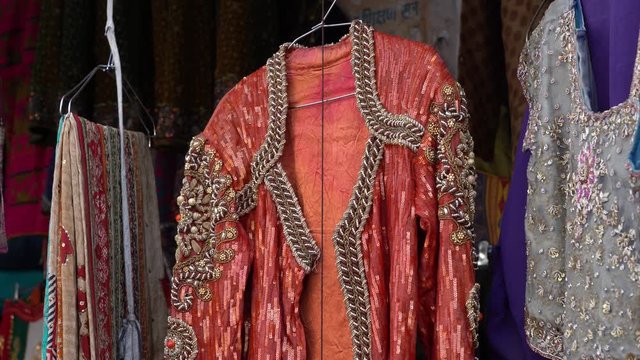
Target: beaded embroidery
456, 178
384, 128
207, 220
180, 342
473, 312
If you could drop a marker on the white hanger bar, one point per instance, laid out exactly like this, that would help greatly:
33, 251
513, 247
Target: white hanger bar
129, 337
337, 24
322, 101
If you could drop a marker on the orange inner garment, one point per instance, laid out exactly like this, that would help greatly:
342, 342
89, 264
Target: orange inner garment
344, 134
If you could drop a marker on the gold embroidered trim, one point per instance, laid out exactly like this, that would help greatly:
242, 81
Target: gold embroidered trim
181, 342
431, 154
390, 128
544, 338
348, 249
473, 313
206, 202
294, 225
456, 178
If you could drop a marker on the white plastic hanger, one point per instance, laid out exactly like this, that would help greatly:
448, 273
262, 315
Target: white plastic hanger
321, 25
129, 342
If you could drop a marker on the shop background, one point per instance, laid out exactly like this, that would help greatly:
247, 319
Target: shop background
181, 57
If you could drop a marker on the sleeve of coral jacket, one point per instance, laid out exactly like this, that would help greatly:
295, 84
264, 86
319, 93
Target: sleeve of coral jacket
212, 263
445, 176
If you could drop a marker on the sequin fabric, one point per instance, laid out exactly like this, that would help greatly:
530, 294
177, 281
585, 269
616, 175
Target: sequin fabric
362, 264
583, 203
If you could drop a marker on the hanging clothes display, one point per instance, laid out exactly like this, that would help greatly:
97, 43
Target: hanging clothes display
184, 57
504, 313
85, 295
4, 247
583, 199
260, 267
434, 22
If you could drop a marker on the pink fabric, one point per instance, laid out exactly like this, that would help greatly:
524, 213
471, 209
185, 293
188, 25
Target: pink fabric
25, 164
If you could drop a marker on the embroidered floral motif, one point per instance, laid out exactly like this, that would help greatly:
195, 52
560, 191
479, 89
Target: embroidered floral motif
473, 312
548, 338
207, 220
456, 179
585, 190
586, 175
181, 342
431, 154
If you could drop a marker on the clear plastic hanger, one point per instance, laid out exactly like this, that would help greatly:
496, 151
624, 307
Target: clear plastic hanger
321, 25
128, 91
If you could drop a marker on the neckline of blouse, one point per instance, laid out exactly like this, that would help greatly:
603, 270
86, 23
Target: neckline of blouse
580, 102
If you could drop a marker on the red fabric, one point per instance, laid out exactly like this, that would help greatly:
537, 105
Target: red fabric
99, 245
25, 164
28, 311
413, 290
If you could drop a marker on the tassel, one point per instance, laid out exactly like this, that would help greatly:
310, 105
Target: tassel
129, 339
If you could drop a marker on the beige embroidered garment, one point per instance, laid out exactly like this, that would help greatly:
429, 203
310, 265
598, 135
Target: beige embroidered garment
583, 204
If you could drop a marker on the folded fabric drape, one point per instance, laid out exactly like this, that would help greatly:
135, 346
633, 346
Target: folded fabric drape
85, 297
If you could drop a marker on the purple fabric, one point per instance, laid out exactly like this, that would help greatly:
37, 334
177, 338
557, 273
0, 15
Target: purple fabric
612, 31
505, 311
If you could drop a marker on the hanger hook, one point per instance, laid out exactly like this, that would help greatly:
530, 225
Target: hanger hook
325, 15
317, 26
110, 64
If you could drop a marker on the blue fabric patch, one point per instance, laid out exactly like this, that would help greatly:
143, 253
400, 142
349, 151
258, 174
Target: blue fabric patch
634, 155
579, 15
585, 71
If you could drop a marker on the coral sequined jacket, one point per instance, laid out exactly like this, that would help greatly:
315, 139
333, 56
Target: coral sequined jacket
340, 230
